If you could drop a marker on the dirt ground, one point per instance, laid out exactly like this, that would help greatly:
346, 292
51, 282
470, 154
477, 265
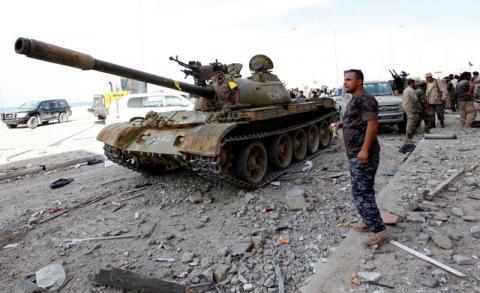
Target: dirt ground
198, 223
439, 228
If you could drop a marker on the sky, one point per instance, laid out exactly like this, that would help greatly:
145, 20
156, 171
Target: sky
310, 42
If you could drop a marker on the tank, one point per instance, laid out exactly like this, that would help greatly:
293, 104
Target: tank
249, 143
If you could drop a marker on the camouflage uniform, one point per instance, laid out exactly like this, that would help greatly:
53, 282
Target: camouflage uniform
224, 88
425, 113
465, 103
412, 109
437, 94
359, 110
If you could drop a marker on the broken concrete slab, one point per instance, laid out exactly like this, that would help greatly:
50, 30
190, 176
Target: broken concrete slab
52, 277
389, 219
369, 276
239, 248
463, 260
415, 217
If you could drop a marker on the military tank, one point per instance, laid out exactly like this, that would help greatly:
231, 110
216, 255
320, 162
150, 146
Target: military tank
248, 146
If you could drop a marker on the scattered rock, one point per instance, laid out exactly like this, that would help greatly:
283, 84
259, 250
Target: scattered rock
208, 274
206, 262
457, 212
474, 196
427, 280
52, 277
369, 276
442, 241
187, 257
463, 260
415, 217
220, 272
240, 248
269, 282
469, 218
440, 217
475, 231
427, 252
195, 198
295, 198
204, 219
248, 287
389, 219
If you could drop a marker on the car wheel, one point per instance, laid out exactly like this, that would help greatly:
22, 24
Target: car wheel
63, 118
11, 125
33, 122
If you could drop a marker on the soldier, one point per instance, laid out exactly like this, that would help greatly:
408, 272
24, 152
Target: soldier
360, 125
465, 100
412, 108
436, 94
228, 94
425, 113
452, 99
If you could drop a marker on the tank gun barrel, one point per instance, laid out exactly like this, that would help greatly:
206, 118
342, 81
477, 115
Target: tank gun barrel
55, 54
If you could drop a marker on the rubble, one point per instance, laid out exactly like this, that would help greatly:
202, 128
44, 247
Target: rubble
51, 277
442, 241
463, 260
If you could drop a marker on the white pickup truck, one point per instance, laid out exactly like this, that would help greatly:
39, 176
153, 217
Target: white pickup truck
389, 106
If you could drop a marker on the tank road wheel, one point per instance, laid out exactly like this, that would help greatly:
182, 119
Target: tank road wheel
313, 139
280, 151
325, 134
251, 162
300, 144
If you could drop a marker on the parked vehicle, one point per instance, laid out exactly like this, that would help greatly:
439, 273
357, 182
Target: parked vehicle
389, 106
136, 106
36, 112
101, 103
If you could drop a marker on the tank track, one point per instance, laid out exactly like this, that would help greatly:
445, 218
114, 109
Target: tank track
209, 167
115, 155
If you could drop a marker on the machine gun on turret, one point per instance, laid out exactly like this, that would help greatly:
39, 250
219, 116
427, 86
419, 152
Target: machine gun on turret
399, 82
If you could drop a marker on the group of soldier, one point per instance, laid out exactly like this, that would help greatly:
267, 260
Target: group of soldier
423, 101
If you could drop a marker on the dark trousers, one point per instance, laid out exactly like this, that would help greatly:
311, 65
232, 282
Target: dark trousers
438, 108
363, 181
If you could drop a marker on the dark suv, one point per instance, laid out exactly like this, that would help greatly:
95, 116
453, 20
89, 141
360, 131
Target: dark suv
34, 113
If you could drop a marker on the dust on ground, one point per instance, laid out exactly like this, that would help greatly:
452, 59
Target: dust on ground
199, 223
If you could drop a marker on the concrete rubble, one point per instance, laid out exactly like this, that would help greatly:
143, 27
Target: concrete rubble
207, 232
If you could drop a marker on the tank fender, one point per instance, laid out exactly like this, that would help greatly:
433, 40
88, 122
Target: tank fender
120, 135
205, 140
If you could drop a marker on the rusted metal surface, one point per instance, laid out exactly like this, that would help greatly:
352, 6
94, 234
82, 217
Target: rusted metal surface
159, 141
55, 54
119, 134
205, 140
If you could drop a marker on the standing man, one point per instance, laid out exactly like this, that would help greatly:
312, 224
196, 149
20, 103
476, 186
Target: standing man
411, 107
436, 95
360, 125
452, 99
426, 113
465, 100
